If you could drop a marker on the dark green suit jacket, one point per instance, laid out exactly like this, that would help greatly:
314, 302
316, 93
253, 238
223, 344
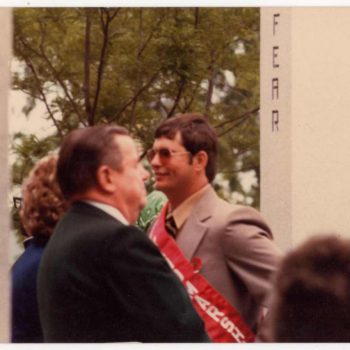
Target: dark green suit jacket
102, 281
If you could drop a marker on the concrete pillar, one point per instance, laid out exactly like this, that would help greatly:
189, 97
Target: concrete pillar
305, 122
5, 57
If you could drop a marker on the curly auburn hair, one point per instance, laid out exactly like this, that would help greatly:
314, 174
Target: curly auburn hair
42, 201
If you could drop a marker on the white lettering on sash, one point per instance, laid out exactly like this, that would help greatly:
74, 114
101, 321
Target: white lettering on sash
214, 313
232, 329
170, 263
202, 302
191, 289
217, 315
177, 271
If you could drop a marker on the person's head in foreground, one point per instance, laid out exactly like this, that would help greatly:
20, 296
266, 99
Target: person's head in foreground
312, 295
101, 163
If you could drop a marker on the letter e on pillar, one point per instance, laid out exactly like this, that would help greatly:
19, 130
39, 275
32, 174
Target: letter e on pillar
274, 56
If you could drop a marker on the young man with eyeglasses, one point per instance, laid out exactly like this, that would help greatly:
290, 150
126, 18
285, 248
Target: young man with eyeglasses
223, 253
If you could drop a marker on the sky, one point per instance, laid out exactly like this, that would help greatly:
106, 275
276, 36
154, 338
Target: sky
19, 122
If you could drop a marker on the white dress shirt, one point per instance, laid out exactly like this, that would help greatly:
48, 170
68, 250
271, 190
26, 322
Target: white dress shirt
109, 210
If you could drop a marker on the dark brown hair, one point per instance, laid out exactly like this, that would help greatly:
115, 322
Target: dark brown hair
197, 135
312, 301
82, 152
42, 201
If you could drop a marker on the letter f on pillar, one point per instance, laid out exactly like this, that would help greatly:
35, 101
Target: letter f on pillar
275, 22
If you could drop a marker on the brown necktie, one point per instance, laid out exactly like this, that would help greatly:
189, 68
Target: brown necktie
170, 225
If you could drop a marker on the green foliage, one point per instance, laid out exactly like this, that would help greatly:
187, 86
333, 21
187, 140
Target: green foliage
135, 66
29, 149
155, 203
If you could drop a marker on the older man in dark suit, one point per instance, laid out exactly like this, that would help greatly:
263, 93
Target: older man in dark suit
101, 279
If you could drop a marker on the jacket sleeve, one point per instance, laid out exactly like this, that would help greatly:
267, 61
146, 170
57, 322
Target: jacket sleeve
254, 258
143, 282
251, 253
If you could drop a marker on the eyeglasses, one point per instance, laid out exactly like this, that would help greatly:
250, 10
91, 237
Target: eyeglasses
164, 154
17, 202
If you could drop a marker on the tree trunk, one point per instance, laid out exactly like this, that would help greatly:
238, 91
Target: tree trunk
86, 87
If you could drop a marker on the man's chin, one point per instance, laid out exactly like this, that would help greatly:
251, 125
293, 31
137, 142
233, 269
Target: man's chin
143, 204
159, 186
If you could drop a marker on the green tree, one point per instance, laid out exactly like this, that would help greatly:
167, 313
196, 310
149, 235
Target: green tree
135, 66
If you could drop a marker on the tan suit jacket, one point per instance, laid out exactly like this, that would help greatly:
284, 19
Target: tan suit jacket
238, 255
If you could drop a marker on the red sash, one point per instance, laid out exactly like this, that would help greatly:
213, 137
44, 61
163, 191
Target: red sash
222, 321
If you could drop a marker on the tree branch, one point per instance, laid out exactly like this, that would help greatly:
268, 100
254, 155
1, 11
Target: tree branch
189, 103
178, 96
86, 86
165, 109
102, 61
149, 38
43, 97
238, 121
136, 95
210, 84
114, 13
59, 80
196, 17
252, 111
142, 47
41, 54
138, 79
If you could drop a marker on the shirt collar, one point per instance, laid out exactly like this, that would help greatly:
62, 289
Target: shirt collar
183, 211
109, 210
27, 241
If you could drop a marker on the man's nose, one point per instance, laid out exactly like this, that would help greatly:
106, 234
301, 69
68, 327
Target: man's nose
145, 174
155, 161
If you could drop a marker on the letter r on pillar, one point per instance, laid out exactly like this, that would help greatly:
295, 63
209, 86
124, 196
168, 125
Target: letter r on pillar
275, 120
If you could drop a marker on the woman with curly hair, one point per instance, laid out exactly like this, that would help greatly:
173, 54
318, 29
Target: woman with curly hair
42, 206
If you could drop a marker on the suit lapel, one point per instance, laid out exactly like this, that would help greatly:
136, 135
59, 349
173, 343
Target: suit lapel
197, 224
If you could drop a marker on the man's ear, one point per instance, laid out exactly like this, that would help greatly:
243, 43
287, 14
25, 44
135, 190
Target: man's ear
104, 178
200, 160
